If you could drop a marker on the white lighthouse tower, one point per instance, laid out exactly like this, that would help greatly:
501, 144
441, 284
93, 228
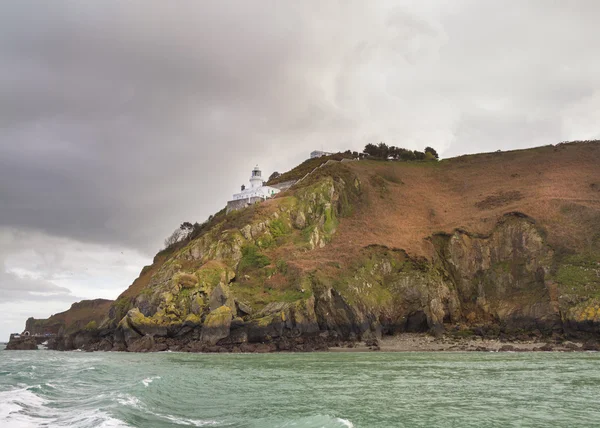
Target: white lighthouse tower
256, 180
253, 194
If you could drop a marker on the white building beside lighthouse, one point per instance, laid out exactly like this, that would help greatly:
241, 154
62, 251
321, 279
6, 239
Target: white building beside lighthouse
257, 192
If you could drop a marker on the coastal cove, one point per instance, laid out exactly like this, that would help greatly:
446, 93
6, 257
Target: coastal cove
79, 389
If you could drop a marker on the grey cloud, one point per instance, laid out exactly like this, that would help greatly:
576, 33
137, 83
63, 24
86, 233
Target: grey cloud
19, 289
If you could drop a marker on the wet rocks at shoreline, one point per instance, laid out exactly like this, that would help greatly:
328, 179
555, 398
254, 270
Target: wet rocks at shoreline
22, 343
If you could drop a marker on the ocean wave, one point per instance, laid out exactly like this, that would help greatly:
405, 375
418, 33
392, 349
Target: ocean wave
19, 408
89, 418
134, 402
319, 421
129, 401
188, 422
149, 380
22, 408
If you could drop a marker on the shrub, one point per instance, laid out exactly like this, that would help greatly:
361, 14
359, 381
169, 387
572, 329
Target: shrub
91, 325
282, 266
431, 151
278, 228
252, 258
186, 280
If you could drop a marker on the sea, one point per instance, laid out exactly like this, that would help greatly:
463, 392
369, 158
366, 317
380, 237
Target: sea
317, 390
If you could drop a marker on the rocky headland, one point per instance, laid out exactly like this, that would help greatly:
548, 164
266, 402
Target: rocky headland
22, 343
497, 251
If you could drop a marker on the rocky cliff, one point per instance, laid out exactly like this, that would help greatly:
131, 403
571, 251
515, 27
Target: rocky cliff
82, 318
493, 244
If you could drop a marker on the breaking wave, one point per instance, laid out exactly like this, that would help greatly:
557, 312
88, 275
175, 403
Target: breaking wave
22, 408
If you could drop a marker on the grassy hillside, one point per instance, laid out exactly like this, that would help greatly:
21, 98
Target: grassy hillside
510, 239
407, 202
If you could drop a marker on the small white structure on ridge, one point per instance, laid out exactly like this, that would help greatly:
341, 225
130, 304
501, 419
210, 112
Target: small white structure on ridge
257, 192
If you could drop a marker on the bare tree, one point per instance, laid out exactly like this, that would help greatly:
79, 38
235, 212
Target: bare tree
174, 238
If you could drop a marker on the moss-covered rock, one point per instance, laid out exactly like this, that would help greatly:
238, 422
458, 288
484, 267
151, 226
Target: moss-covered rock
222, 296
216, 325
213, 273
145, 325
503, 276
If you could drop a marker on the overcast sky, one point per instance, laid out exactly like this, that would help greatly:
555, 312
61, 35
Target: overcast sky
121, 119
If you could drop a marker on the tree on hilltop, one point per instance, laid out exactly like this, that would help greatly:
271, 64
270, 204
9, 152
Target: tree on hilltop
383, 151
432, 151
174, 238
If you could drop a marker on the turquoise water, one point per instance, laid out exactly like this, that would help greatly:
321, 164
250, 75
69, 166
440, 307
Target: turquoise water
48, 389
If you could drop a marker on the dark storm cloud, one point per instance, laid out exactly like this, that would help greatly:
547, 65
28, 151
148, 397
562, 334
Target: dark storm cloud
119, 120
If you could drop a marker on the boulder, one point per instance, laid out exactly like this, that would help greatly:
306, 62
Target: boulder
243, 308
335, 314
300, 220
216, 325
145, 325
125, 333
279, 319
105, 345
222, 296
591, 345
143, 344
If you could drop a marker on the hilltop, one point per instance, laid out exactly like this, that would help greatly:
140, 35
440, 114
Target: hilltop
503, 243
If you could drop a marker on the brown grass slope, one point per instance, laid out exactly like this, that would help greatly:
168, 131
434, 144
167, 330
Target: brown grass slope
404, 203
77, 317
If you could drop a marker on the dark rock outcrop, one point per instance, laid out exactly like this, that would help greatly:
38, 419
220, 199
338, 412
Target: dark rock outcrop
22, 343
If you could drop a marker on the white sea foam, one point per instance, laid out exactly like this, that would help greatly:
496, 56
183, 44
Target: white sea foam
189, 422
129, 400
149, 380
89, 418
22, 408
345, 422
319, 421
19, 408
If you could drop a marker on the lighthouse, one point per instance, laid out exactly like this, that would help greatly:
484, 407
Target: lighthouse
256, 180
257, 192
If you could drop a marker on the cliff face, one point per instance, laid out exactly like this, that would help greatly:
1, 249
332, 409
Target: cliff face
361, 249
88, 313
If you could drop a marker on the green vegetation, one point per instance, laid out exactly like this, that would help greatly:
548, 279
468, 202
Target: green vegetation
91, 326
252, 258
330, 221
122, 306
383, 151
257, 294
282, 266
213, 273
465, 334
308, 166
377, 278
579, 274
279, 228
